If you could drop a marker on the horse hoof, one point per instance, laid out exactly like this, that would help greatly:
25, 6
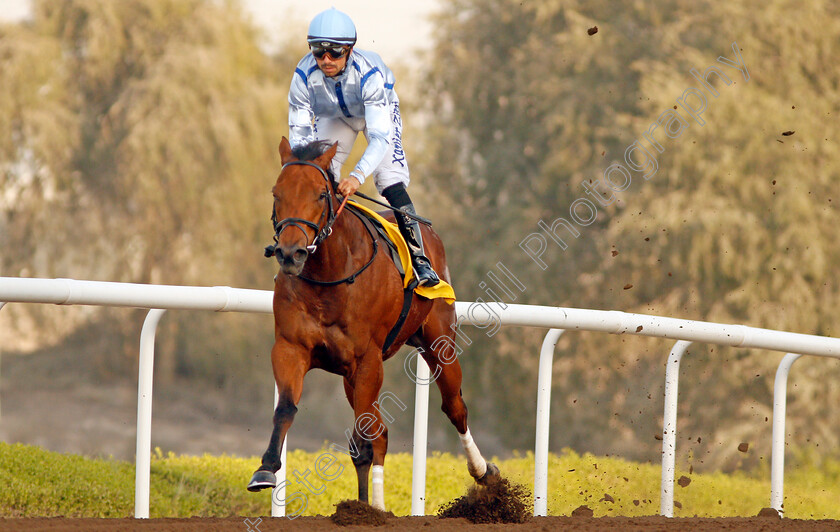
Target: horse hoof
262, 480
491, 476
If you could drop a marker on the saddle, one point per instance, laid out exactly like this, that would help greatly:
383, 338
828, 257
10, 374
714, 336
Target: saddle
376, 226
398, 251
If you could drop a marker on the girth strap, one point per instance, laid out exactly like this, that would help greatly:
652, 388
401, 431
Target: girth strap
408, 297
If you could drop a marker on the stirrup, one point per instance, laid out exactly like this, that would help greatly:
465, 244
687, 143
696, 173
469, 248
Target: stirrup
428, 281
424, 273
410, 230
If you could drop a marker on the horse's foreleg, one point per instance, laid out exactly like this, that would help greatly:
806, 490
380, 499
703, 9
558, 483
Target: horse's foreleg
370, 435
288, 374
362, 460
361, 452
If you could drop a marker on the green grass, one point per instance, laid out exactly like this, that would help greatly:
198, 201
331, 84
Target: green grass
42, 483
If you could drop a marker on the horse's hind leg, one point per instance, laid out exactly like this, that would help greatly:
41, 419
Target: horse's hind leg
289, 369
440, 353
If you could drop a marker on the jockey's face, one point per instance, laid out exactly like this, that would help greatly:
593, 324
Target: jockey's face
332, 67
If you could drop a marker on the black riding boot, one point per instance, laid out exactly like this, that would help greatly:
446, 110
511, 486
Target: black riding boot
398, 197
410, 230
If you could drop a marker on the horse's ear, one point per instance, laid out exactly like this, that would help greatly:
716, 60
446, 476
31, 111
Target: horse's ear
324, 160
285, 150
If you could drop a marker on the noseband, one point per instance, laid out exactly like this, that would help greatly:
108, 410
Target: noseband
320, 232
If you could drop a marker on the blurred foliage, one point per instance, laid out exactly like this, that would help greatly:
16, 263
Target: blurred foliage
735, 226
138, 143
213, 486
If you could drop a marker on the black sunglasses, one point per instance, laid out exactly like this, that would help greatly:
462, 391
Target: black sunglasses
336, 52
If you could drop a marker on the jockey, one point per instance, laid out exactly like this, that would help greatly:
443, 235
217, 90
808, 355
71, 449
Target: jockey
337, 92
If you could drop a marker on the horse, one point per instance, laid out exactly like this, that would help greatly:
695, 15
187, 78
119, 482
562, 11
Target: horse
335, 301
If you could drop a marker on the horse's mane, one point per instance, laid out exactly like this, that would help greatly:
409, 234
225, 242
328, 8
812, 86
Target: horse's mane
313, 150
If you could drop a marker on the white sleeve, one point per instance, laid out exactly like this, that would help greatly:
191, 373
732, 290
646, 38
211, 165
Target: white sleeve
378, 124
300, 112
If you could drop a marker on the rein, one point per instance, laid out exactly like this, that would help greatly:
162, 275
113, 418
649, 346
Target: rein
321, 233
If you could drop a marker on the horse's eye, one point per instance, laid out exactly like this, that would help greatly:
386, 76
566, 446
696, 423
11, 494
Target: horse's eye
322, 196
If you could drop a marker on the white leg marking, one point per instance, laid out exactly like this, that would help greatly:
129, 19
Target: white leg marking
476, 464
377, 480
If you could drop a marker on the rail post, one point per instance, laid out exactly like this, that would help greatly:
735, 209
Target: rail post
777, 453
421, 428
279, 493
143, 460
543, 421
2, 304
669, 428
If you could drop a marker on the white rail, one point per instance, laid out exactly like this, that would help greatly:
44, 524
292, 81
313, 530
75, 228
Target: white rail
543, 421
777, 453
669, 428
100, 293
143, 456
616, 322
158, 298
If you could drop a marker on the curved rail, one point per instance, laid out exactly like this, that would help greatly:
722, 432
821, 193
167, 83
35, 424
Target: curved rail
777, 454
227, 299
544, 421
669, 428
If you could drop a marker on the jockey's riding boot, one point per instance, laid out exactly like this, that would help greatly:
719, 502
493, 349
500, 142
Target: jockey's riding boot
410, 230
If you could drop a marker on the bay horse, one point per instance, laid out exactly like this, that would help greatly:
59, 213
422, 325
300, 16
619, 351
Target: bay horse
335, 301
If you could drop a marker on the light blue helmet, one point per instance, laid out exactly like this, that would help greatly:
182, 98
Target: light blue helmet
332, 26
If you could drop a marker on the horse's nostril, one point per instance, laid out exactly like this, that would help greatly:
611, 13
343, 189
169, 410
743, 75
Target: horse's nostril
300, 255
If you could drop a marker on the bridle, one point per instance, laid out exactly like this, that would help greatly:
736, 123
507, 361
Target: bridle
328, 217
329, 213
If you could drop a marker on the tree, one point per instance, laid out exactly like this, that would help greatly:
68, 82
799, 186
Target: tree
734, 225
138, 149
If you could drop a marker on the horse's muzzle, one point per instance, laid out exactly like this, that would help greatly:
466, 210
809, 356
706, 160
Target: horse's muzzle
291, 259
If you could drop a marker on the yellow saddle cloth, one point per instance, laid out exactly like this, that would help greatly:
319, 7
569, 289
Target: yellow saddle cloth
441, 290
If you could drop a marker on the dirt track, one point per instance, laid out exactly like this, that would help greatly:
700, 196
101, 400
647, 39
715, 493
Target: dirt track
238, 524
